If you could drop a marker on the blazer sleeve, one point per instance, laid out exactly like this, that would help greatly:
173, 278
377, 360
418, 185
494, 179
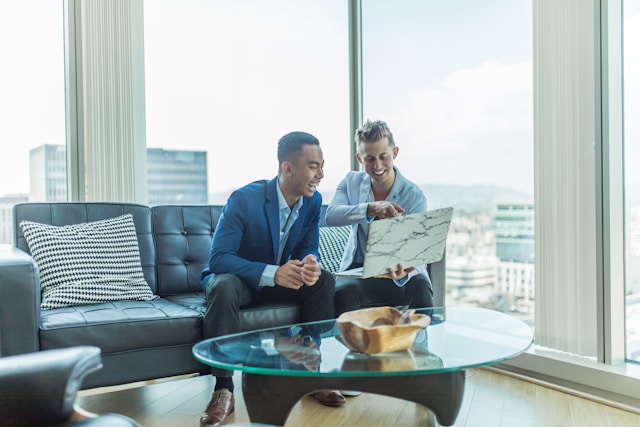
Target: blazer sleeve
239, 223
345, 207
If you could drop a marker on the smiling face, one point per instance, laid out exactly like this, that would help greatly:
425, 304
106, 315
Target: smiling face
377, 159
301, 176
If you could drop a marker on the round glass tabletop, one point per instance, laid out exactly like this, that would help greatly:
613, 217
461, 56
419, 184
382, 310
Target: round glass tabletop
458, 338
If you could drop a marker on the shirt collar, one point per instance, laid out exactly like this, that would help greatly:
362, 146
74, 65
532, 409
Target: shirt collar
282, 203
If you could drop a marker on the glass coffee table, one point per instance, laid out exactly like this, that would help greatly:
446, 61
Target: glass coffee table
281, 365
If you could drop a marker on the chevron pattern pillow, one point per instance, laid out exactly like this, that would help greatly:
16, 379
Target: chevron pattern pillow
332, 243
87, 263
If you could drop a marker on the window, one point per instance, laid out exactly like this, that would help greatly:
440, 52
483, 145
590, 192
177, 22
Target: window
219, 79
32, 106
457, 93
631, 87
229, 78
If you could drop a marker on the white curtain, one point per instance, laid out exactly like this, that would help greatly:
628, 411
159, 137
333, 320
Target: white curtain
565, 175
110, 77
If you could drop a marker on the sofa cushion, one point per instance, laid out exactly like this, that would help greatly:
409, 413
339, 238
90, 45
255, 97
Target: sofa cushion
87, 263
332, 243
121, 326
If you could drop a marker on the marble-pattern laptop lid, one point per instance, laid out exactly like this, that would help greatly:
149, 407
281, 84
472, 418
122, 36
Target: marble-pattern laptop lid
410, 240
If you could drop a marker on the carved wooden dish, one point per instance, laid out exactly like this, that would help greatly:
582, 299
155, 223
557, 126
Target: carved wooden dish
380, 329
391, 361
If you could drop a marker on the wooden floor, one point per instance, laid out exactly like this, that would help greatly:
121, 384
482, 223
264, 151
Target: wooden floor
490, 399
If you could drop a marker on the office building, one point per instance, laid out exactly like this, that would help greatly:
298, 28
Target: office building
6, 218
173, 176
48, 173
176, 176
514, 231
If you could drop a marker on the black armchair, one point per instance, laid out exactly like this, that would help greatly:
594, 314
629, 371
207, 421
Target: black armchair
40, 389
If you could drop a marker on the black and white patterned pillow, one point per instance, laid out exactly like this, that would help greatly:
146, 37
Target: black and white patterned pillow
331, 248
87, 263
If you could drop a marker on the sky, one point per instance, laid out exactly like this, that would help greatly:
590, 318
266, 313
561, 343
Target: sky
31, 86
287, 73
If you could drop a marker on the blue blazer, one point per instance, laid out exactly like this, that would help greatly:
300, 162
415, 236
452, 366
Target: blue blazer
247, 236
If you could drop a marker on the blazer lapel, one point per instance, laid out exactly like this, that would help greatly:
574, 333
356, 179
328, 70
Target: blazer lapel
365, 188
273, 215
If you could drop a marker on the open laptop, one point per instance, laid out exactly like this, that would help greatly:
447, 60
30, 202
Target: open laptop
410, 240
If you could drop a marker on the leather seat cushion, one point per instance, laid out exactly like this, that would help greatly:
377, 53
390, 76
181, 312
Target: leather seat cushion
121, 325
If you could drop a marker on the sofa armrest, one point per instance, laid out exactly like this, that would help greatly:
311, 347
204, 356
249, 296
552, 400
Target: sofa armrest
437, 274
41, 388
19, 302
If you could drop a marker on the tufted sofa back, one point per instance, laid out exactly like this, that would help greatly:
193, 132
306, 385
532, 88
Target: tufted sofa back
183, 240
174, 240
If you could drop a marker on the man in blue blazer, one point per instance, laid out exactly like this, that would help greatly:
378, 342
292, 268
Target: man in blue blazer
265, 248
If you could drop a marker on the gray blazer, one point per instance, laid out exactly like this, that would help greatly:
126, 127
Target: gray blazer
349, 207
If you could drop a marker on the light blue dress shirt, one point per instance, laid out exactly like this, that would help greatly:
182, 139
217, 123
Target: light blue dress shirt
349, 207
287, 217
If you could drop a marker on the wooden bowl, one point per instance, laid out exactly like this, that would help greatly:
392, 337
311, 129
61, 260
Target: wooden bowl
380, 329
392, 361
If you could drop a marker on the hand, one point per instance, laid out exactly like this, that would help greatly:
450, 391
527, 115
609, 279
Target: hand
298, 350
311, 270
396, 274
289, 275
383, 209
294, 274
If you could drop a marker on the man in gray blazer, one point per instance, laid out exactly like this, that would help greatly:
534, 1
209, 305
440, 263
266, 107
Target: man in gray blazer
362, 197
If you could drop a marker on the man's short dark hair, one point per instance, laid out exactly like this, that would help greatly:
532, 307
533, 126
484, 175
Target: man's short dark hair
372, 131
290, 146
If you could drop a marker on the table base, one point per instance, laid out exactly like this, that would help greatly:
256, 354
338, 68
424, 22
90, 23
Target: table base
270, 398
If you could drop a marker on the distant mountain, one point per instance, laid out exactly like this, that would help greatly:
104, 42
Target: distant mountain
467, 198
472, 198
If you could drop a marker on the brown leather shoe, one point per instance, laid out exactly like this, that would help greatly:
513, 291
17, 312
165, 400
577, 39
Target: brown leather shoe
329, 397
221, 405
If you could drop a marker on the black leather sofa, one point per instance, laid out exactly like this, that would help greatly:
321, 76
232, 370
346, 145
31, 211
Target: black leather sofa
139, 340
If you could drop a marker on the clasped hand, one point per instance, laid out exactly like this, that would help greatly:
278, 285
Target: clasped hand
295, 273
